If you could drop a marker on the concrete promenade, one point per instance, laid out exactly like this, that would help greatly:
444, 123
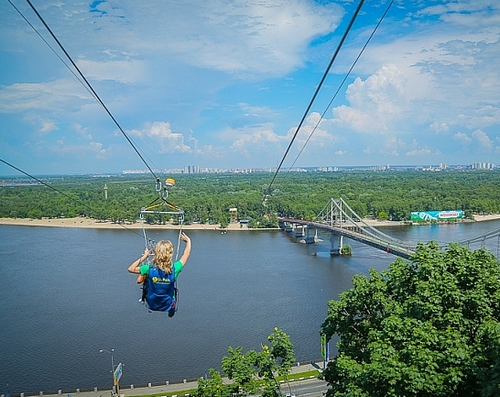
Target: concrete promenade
181, 389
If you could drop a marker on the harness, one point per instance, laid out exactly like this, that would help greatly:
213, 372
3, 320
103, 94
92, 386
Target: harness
160, 290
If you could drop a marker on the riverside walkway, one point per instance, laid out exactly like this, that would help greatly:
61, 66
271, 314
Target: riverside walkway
179, 389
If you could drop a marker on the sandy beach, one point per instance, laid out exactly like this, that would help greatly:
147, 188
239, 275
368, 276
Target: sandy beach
96, 224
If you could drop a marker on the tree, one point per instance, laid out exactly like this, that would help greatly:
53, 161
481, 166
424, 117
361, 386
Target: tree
275, 359
253, 371
213, 385
425, 327
300, 195
240, 368
383, 216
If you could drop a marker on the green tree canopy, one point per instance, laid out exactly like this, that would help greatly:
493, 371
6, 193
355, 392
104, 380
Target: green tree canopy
425, 327
207, 198
253, 371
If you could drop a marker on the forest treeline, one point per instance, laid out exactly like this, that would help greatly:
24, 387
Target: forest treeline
207, 198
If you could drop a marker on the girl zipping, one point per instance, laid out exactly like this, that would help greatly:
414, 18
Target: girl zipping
159, 277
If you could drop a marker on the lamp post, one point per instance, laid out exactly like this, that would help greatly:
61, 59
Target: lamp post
112, 366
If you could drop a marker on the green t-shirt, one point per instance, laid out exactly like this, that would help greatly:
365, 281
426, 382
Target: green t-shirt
144, 269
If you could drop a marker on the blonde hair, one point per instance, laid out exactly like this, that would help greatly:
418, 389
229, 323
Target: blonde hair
164, 252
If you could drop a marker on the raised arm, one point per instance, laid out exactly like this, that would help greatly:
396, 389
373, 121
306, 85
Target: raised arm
134, 267
187, 248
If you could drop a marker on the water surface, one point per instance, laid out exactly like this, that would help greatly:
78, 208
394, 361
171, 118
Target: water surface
65, 294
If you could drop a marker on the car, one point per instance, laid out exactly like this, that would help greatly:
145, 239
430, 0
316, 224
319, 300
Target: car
289, 395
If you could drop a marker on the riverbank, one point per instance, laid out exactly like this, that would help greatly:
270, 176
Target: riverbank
298, 373
82, 222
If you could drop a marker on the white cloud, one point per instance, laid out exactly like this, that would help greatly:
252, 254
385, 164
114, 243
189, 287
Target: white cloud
314, 132
484, 141
247, 141
98, 148
449, 65
48, 96
165, 140
230, 36
439, 127
48, 127
376, 103
262, 138
127, 72
419, 152
462, 138
65, 148
82, 131
471, 13
249, 36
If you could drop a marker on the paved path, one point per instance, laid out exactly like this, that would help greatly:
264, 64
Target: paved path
182, 388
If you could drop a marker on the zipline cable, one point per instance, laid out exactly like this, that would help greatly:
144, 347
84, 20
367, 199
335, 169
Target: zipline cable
52, 49
59, 57
342, 83
344, 36
45, 184
73, 199
91, 88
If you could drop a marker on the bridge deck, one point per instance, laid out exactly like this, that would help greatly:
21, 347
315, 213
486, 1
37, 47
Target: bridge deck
357, 233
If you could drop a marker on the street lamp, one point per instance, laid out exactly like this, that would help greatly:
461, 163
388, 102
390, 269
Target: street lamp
112, 365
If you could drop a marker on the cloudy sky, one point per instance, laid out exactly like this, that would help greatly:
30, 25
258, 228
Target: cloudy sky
225, 83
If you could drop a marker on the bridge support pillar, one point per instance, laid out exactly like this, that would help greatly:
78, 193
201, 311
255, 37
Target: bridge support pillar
300, 230
311, 239
337, 241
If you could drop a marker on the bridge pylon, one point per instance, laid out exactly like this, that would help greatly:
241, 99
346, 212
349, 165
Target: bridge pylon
337, 241
336, 213
311, 235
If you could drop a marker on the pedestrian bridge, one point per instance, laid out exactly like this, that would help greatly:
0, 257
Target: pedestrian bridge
341, 221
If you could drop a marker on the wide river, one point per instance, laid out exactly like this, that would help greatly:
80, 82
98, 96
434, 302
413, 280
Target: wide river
65, 294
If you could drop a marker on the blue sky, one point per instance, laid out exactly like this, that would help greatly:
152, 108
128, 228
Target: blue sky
224, 84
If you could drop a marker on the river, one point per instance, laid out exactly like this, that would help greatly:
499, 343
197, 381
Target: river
66, 295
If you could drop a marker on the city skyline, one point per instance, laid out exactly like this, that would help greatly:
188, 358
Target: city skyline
226, 84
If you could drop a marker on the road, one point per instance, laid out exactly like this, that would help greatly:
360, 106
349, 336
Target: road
306, 388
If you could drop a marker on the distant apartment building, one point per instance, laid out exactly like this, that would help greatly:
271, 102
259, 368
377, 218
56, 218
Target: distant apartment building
483, 166
191, 169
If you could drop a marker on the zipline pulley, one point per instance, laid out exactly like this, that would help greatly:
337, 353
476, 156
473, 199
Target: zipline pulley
157, 208
162, 190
